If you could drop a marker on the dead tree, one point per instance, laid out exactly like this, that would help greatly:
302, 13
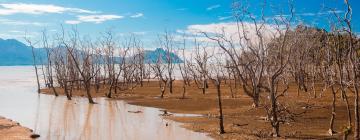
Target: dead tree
159, 71
354, 65
61, 70
109, 49
299, 59
31, 44
216, 75
338, 46
277, 61
231, 76
201, 55
139, 61
49, 63
131, 75
330, 73
98, 60
122, 67
246, 49
184, 70
346, 49
83, 66
167, 42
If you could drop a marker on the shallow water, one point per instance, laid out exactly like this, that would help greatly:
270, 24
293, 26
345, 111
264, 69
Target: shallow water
59, 119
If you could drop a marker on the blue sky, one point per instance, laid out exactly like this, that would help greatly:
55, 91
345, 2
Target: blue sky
146, 18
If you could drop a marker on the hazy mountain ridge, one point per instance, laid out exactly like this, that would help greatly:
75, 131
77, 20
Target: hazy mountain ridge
14, 52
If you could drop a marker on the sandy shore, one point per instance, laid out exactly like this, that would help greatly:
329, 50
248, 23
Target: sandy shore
11, 130
241, 120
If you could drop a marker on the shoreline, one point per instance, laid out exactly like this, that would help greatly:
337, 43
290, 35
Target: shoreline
241, 120
11, 130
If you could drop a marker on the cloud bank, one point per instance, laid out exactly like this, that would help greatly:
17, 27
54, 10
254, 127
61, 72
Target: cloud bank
138, 15
213, 7
22, 8
93, 19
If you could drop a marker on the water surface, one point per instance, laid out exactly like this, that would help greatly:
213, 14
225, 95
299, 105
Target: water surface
59, 119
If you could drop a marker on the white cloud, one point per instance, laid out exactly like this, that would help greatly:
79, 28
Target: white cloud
16, 31
307, 14
18, 35
18, 22
333, 11
300, 14
137, 15
94, 19
72, 22
313, 14
225, 18
229, 30
139, 33
16, 8
213, 7
9, 36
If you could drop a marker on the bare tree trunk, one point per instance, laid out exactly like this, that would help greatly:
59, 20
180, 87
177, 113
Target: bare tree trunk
68, 96
354, 61
110, 90
274, 115
256, 91
54, 90
162, 89
203, 87
356, 114
331, 129
184, 90
347, 106
221, 117
298, 89
88, 93
44, 76
314, 81
170, 84
342, 87
231, 90
35, 67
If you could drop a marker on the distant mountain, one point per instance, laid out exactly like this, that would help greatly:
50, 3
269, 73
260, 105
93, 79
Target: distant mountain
14, 52
153, 56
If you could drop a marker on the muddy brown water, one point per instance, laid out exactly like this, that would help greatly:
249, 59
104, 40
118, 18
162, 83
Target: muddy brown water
56, 118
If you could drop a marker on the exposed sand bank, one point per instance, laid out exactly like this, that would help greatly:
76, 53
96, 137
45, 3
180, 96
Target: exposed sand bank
11, 130
241, 120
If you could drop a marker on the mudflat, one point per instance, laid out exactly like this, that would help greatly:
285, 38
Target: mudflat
309, 119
